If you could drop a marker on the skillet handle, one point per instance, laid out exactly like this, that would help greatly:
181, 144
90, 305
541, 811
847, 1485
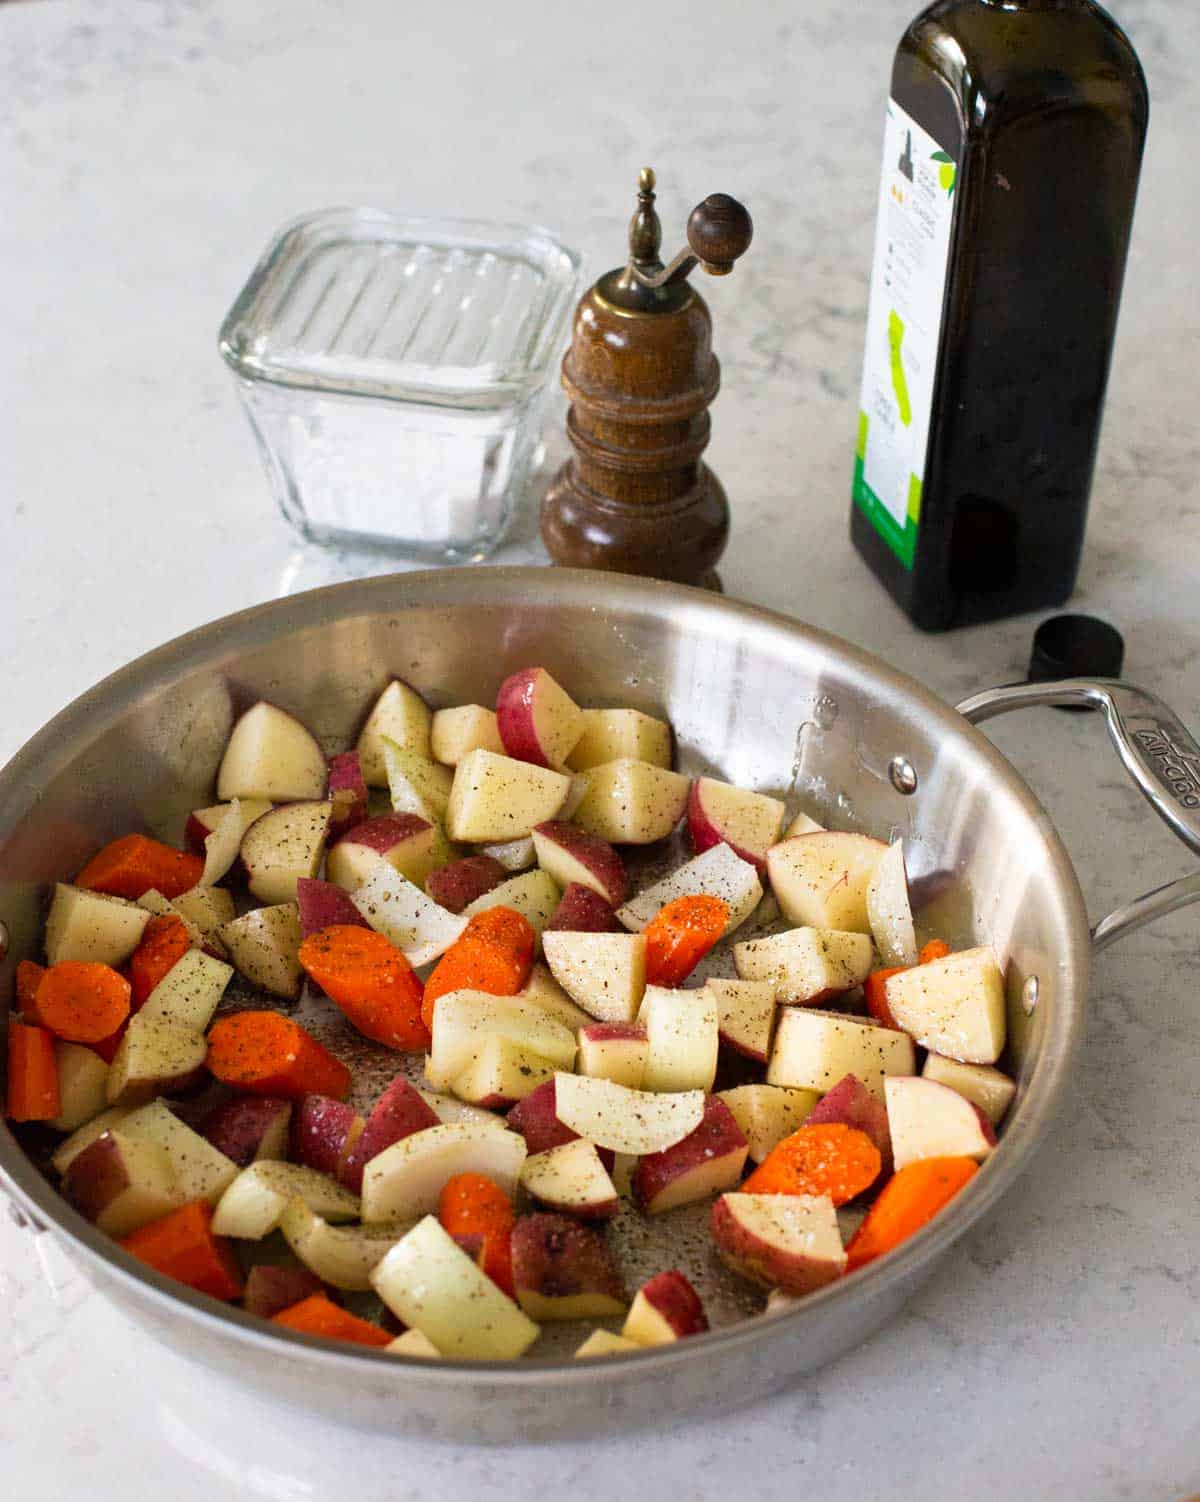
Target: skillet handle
1160, 755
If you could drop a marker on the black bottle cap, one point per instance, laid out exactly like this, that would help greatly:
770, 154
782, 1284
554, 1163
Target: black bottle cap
1075, 646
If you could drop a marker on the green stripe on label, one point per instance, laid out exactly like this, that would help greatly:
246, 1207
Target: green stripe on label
914, 499
901, 540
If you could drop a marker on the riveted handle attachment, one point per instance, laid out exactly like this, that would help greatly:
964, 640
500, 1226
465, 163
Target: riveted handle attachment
1157, 750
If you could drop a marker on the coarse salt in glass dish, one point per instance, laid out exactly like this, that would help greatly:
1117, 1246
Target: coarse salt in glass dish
394, 372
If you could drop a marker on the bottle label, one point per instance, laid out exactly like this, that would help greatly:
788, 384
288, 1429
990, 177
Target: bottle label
904, 322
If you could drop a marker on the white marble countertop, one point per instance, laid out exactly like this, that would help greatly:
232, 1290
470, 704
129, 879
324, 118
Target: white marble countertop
147, 152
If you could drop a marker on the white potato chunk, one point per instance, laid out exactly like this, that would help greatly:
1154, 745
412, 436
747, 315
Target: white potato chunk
400, 715
463, 1021
803, 824
988, 1088
631, 802
207, 908
513, 855
766, 1114
82, 1081
496, 798
83, 1136
91, 926
821, 880
157, 905
747, 821
928, 1120
501, 1073
419, 927
449, 1108
190, 992
271, 755
154, 1057
953, 1006
253, 1204
806, 965
413, 1343
264, 945
605, 973
416, 784
681, 1030
888, 909
814, 1050
465, 728
745, 1014
533, 894
283, 846
202, 1171
430, 1283
605, 1343
223, 843
628, 1121
542, 990
571, 1178
619, 734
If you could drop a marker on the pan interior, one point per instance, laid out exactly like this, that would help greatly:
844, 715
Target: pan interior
754, 699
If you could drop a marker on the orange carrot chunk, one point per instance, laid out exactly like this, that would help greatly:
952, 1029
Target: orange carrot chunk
29, 977
906, 1202
164, 943
472, 1205
875, 992
181, 1245
496, 1261
135, 864
680, 935
494, 953
319, 1315
265, 1053
831, 1158
81, 1001
936, 949
371, 981
32, 1073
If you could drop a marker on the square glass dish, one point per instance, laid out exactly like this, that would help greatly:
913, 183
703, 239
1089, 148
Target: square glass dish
394, 372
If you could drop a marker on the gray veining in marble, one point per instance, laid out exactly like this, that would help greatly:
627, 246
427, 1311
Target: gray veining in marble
148, 148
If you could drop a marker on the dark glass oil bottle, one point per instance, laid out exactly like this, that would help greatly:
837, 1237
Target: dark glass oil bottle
1014, 142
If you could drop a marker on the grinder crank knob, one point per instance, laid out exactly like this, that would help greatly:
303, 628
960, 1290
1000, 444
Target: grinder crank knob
719, 231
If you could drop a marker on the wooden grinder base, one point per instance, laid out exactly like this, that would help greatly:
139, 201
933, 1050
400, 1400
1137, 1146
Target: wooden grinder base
636, 498
584, 530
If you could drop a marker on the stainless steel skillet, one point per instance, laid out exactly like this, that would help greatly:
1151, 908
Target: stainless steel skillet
756, 697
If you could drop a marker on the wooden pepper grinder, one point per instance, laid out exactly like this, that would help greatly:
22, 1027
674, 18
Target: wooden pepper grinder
640, 374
